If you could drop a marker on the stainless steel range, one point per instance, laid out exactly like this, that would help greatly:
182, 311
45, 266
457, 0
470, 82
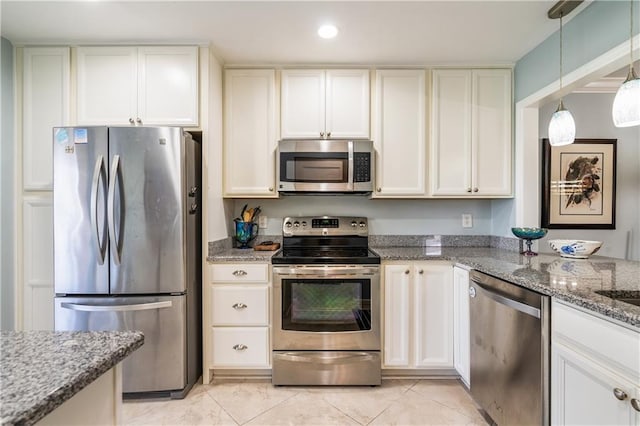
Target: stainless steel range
326, 310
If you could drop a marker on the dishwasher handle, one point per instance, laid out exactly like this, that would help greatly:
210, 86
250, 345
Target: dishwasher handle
510, 303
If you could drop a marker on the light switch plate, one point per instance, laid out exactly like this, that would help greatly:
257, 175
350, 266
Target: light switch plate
467, 220
262, 221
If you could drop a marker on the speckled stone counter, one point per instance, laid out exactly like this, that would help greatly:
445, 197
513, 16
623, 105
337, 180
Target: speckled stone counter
572, 280
40, 370
242, 255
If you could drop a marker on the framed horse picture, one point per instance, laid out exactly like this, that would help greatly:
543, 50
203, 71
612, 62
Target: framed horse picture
579, 185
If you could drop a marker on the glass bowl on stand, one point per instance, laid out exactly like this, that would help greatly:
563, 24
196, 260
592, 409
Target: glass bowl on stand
528, 235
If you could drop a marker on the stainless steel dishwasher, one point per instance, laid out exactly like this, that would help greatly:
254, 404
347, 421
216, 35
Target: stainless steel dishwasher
510, 329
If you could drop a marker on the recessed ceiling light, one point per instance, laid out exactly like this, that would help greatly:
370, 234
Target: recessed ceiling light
327, 31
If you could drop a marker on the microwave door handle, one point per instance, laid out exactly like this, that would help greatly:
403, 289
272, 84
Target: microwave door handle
350, 165
116, 308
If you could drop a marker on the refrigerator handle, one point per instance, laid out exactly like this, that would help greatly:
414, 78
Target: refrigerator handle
115, 246
117, 308
99, 173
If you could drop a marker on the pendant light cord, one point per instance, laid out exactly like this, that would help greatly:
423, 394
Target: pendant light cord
631, 35
561, 54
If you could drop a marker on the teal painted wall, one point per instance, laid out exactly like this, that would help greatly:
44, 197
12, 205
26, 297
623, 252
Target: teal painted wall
597, 29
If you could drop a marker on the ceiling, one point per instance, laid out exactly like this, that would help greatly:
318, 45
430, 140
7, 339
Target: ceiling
446, 32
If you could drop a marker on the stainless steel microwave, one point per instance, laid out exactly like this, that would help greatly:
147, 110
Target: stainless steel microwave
325, 166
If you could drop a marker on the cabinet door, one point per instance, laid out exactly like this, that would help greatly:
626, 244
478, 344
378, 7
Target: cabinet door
451, 133
433, 315
303, 104
45, 105
37, 220
582, 392
461, 332
491, 131
400, 133
249, 133
396, 315
106, 85
168, 85
347, 104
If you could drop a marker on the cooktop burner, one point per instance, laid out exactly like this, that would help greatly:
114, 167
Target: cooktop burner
325, 240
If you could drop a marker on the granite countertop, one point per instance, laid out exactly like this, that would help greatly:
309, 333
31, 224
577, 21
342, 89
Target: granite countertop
242, 255
42, 369
571, 280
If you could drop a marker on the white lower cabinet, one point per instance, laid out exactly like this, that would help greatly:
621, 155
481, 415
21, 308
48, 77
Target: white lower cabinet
236, 317
595, 370
418, 315
461, 325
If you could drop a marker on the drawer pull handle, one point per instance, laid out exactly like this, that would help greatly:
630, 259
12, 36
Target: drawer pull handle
239, 273
240, 347
406, 272
421, 271
635, 403
239, 306
620, 394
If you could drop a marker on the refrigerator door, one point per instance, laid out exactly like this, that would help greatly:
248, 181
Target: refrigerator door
160, 364
81, 263
145, 210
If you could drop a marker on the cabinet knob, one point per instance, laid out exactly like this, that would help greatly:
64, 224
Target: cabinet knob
270, 189
406, 272
620, 394
131, 120
468, 189
329, 134
321, 134
193, 209
240, 347
475, 189
421, 272
239, 273
635, 403
239, 306
193, 191
378, 189
138, 120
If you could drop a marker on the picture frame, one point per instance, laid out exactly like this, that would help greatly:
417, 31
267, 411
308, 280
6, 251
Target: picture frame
579, 185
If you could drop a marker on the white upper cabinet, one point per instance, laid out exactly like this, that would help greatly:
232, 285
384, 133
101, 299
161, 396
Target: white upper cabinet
250, 134
151, 85
45, 76
471, 144
325, 104
399, 138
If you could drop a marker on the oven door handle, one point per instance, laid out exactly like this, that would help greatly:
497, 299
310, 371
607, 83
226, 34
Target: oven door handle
304, 271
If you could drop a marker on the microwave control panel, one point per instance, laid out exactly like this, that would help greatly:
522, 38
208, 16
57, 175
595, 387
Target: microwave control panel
361, 166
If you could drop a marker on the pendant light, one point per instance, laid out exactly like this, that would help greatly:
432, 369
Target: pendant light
562, 128
626, 105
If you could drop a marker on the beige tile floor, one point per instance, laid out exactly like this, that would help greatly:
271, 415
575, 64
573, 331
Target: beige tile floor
397, 402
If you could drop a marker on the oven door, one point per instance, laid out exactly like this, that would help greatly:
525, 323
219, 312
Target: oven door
326, 307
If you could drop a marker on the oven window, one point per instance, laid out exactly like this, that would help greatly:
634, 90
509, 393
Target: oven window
326, 304
314, 167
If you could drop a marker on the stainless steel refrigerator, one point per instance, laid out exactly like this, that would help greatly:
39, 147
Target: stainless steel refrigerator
127, 246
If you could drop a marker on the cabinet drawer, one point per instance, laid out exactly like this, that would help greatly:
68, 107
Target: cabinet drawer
617, 346
240, 305
240, 272
239, 347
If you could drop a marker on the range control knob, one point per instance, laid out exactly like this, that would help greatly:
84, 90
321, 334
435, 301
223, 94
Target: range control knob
304, 223
288, 224
354, 224
296, 224
362, 224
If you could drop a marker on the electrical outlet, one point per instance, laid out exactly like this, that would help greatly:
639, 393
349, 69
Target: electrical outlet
262, 221
467, 220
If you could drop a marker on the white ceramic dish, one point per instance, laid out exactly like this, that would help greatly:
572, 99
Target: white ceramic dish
575, 249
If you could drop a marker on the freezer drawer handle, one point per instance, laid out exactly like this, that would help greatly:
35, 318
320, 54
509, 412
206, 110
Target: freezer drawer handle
239, 306
99, 173
239, 273
240, 347
117, 308
115, 174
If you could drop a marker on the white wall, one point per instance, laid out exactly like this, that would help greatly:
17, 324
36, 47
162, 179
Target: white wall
386, 217
592, 114
7, 222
